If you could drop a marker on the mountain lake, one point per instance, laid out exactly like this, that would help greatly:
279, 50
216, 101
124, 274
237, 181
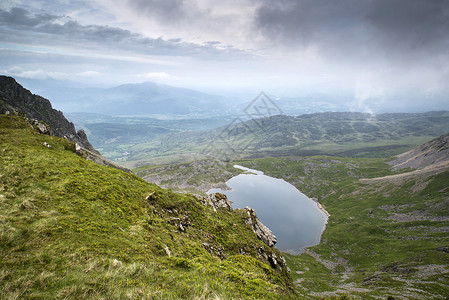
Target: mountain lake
296, 220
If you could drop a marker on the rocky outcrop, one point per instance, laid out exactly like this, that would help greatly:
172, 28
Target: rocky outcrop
98, 158
16, 99
218, 200
262, 231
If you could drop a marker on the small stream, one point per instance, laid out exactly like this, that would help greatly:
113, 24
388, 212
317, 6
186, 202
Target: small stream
295, 219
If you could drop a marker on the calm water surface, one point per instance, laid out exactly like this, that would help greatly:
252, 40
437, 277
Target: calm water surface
294, 218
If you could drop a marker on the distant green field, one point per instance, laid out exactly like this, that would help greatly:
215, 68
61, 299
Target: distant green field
337, 134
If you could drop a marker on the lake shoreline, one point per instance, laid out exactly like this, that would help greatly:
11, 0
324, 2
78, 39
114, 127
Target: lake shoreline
302, 216
321, 207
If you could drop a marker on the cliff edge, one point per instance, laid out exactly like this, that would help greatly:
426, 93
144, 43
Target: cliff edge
15, 99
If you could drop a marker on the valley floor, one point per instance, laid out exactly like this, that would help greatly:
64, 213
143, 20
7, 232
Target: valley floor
388, 233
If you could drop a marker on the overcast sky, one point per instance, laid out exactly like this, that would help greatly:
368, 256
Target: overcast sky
371, 49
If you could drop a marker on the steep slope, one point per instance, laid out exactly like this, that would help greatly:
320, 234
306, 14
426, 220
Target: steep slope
434, 152
13, 97
16, 99
72, 229
426, 160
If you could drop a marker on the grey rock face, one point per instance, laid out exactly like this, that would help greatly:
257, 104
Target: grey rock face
15, 98
262, 231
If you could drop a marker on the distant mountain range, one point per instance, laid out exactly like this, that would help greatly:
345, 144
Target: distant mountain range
142, 99
164, 101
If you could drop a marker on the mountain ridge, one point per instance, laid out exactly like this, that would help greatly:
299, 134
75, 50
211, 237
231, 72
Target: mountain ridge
334, 133
15, 99
431, 153
133, 99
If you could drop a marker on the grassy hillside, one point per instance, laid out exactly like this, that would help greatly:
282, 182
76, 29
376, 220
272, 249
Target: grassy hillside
337, 134
386, 236
72, 229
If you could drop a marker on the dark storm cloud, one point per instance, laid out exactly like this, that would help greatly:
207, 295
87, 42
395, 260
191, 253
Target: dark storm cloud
391, 29
57, 29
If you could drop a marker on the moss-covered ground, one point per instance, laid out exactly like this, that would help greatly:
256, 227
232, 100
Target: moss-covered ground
71, 229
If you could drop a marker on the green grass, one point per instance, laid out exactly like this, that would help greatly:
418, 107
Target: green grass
72, 229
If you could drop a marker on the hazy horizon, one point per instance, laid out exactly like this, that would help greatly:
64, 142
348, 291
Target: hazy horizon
371, 56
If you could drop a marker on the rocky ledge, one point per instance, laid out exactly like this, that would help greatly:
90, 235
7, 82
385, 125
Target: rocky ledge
263, 232
219, 200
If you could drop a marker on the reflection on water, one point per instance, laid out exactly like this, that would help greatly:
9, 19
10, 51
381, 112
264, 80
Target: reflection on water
295, 219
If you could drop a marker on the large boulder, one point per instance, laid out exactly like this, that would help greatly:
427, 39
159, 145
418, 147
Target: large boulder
218, 200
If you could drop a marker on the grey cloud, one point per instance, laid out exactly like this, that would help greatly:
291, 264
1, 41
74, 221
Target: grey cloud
391, 29
67, 31
163, 10
19, 16
167, 11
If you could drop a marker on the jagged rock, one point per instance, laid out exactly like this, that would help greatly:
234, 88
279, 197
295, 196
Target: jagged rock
273, 260
276, 262
41, 116
262, 231
182, 224
15, 98
218, 200
78, 149
443, 249
41, 127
